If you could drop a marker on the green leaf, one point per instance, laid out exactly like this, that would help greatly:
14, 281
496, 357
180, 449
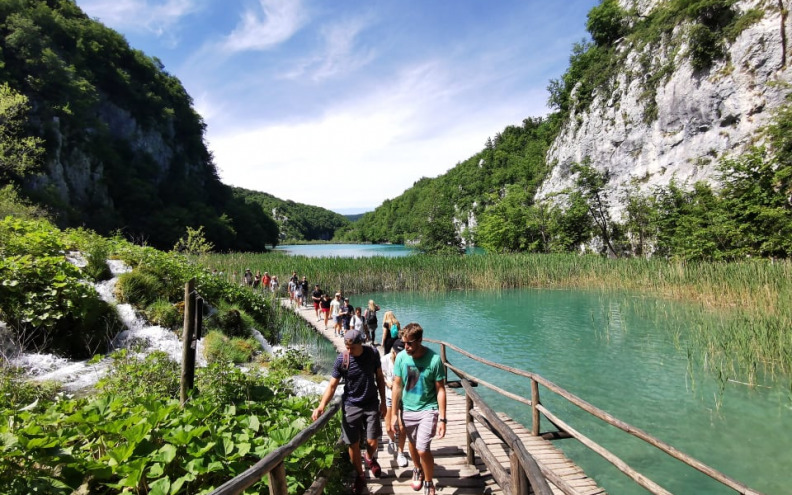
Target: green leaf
165, 454
160, 487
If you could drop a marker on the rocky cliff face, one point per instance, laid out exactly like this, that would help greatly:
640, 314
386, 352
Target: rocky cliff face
701, 116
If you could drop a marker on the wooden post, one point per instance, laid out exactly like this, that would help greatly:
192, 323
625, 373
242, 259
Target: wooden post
519, 480
534, 407
468, 438
277, 481
188, 341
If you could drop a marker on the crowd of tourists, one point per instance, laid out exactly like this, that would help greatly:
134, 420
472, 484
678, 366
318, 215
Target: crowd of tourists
394, 379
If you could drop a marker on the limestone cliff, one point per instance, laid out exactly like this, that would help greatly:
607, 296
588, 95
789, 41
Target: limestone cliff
696, 117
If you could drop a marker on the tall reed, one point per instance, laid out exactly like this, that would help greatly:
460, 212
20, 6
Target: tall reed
750, 302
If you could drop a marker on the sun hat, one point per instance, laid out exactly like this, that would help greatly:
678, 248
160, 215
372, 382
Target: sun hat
353, 336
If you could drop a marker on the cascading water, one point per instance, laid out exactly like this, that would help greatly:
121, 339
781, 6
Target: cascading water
138, 336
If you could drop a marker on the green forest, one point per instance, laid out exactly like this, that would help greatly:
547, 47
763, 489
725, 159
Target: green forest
489, 200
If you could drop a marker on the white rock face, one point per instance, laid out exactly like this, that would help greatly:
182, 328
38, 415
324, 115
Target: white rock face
701, 117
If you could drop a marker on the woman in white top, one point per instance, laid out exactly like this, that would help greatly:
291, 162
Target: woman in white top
356, 323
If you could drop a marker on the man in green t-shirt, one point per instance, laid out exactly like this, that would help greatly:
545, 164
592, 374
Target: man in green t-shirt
418, 387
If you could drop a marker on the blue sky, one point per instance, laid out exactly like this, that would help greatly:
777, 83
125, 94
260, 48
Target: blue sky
341, 103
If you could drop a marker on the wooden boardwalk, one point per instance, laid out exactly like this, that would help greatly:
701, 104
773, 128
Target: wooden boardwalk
452, 475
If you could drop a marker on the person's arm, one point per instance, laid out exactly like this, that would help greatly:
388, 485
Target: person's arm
326, 397
441, 406
396, 393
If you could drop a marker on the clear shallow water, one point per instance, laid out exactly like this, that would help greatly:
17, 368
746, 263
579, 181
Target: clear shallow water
617, 353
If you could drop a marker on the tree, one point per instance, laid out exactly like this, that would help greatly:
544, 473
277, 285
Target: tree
438, 235
20, 154
606, 22
591, 184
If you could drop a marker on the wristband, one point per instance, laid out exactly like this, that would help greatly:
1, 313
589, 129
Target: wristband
443, 420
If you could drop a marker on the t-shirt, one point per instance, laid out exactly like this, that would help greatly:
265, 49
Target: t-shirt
418, 379
360, 388
387, 372
317, 294
335, 307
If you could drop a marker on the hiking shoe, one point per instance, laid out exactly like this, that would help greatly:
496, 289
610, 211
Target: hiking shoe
417, 480
391, 447
374, 467
429, 488
401, 460
359, 487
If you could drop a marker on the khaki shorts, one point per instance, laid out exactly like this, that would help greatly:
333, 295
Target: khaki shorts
421, 427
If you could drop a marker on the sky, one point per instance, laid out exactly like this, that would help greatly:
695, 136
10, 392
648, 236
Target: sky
346, 103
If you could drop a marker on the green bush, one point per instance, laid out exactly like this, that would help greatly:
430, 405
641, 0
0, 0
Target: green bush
97, 268
16, 391
161, 312
292, 360
131, 377
606, 22
138, 288
224, 383
706, 46
220, 348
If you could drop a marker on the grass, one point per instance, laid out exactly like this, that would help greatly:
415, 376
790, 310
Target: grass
747, 305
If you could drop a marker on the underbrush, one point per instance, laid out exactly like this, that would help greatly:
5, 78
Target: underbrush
132, 435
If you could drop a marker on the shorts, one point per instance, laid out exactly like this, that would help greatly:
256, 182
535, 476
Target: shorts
325, 310
420, 426
355, 418
316, 305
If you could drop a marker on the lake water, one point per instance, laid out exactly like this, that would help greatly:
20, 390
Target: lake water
617, 353
347, 250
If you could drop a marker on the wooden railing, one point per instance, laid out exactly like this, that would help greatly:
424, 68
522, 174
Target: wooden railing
272, 463
522, 462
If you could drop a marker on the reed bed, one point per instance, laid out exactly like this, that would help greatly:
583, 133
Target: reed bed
748, 304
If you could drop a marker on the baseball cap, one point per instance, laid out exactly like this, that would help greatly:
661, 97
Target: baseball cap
398, 345
353, 337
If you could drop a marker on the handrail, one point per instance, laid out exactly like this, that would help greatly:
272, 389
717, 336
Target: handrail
272, 463
597, 413
526, 460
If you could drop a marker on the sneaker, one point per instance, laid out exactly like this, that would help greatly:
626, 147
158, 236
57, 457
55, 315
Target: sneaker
401, 460
374, 467
429, 488
417, 480
359, 487
391, 447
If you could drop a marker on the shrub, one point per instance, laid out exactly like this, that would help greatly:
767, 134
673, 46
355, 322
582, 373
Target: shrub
606, 22
131, 377
161, 312
220, 348
224, 383
706, 46
138, 288
97, 254
17, 392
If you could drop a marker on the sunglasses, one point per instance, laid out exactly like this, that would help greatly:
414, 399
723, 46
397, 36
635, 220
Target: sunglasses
410, 342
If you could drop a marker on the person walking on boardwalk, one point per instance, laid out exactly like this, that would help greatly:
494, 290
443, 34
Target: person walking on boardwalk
335, 309
362, 403
397, 438
324, 305
371, 321
418, 386
391, 333
316, 296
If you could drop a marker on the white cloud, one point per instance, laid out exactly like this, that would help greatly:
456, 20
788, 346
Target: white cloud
369, 148
340, 54
274, 22
139, 15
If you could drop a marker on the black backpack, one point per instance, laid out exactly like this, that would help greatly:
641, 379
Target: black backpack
371, 318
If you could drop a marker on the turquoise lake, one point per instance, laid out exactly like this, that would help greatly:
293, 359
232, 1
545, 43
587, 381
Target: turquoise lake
627, 356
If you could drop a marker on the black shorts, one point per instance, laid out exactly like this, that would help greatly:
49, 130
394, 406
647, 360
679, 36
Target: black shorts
356, 418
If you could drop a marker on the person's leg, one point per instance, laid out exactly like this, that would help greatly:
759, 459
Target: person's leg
354, 457
423, 443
